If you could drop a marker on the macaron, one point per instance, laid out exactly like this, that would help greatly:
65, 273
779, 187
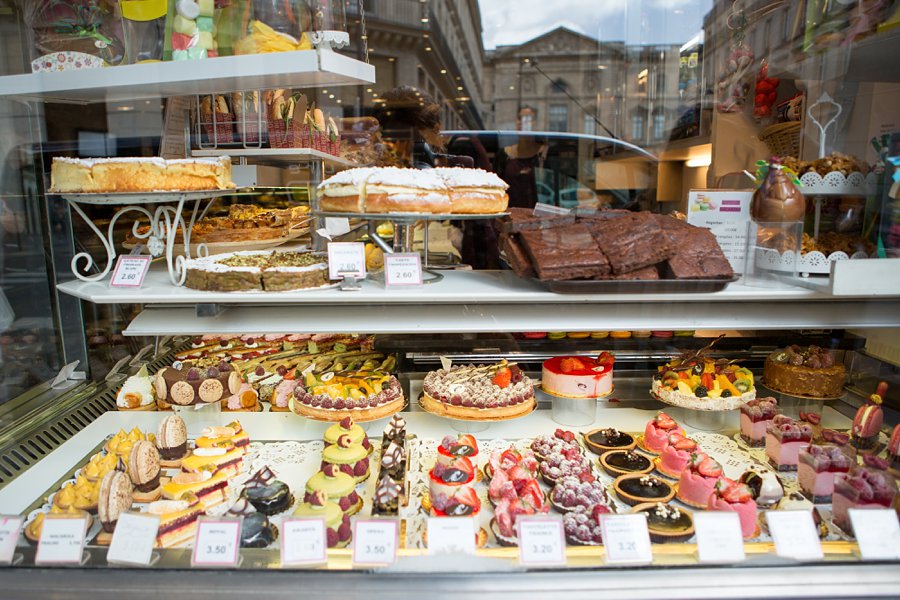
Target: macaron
350, 458
171, 441
115, 498
620, 335
578, 335
534, 335
557, 335
143, 469
662, 334
641, 333
599, 335
685, 333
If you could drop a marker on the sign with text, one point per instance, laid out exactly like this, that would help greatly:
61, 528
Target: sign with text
62, 541
375, 542
303, 542
877, 532
10, 527
541, 541
346, 259
725, 213
719, 537
133, 539
130, 271
451, 534
794, 533
626, 538
402, 270
217, 543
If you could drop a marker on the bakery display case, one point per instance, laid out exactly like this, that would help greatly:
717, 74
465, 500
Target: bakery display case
503, 332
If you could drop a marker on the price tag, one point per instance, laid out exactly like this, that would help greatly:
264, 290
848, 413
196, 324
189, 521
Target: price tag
626, 538
795, 534
217, 543
133, 539
402, 270
10, 527
303, 542
541, 541
451, 534
877, 532
719, 537
346, 259
375, 542
62, 541
130, 271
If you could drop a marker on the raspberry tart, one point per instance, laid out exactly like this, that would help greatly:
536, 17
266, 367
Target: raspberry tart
483, 393
578, 376
544, 445
362, 396
582, 527
568, 462
507, 512
735, 496
657, 432
755, 418
571, 493
698, 480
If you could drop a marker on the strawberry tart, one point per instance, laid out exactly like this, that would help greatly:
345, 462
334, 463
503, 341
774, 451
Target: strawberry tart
675, 458
755, 418
486, 392
863, 487
818, 465
450, 487
656, 433
734, 496
578, 376
568, 462
784, 439
514, 491
698, 480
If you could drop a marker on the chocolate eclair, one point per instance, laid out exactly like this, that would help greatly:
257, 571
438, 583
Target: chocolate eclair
144, 469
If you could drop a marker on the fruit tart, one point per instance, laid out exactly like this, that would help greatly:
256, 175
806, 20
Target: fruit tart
734, 496
486, 392
582, 527
360, 395
513, 477
507, 512
543, 446
571, 493
567, 462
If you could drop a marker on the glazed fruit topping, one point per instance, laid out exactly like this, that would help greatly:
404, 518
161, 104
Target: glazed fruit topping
571, 364
502, 378
813, 357
760, 409
876, 462
684, 443
566, 436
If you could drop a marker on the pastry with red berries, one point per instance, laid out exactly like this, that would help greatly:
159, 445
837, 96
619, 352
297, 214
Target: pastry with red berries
657, 432
698, 480
735, 496
350, 458
578, 376
870, 486
451, 491
485, 392
545, 445
573, 494
582, 528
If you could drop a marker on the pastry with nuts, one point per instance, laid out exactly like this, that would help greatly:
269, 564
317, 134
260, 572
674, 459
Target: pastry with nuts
666, 522
203, 381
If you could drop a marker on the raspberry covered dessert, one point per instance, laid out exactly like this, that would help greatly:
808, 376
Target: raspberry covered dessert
567, 462
657, 431
510, 465
450, 487
498, 391
571, 493
698, 480
818, 466
578, 376
784, 439
676, 456
755, 418
863, 487
544, 445
735, 496
582, 527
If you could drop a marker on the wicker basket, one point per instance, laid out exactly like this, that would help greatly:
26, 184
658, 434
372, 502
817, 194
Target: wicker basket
783, 139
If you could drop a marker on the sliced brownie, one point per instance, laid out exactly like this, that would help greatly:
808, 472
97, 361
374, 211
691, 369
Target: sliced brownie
516, 257
642, 274
564, 253
631, 242
697, 252
523, 219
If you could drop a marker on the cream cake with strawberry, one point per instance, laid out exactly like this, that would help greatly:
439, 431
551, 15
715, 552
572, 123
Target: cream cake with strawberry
676, 456
578, 376
657, 432
734, 496
450, 488
483, 392
698, 480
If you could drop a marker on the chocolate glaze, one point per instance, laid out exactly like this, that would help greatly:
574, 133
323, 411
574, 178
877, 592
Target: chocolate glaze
149, 486
257, 531
627, 461
269, 499
634, 487
616, 440
173, 453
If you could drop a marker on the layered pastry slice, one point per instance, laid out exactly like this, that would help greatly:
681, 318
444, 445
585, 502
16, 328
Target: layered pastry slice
211, 489
232, 434
819, 465
784, 439
863, 487
215, 460
755, 418
177, 519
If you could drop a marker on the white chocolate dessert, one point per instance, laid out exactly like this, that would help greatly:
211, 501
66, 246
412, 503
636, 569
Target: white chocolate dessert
139, 174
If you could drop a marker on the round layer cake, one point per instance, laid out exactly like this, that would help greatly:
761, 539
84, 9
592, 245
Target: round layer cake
256, 271
486, 392
385, 190
805, 371
578, 376
474, 191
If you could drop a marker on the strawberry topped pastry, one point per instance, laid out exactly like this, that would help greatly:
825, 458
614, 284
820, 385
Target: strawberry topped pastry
755, 418
819, 464
578, 376
509, 459
571, 493
543, 445
582, 527
868, 421
485, 392
676, 456
737, 497
697, 381
698, 480
513, 477
657, 432
453, 446
508, 510
450, 487
784, 439
867, 486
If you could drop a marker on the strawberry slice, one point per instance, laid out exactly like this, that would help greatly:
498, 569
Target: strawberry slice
737, 493
605, 358
570, 364
664, 421
502, 378
469, 497
685, 444
566, 436
532, 493
599, 509
467, 440
811, 417
708, 467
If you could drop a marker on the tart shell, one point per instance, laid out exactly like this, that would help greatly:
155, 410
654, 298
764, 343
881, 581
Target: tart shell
660, 537
436, 407
638, 500
616, 472
359, 415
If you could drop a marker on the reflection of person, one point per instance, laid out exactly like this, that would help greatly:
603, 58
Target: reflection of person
411, 121
522, 161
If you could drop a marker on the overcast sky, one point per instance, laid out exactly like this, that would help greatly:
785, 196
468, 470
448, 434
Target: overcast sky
635, 21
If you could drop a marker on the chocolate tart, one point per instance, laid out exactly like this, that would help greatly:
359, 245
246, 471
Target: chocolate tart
664, 530
625, 462
634, 489
271, 498
601, 441
257, 531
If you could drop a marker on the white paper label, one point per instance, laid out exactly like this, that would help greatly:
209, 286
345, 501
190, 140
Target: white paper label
719, 537
217, 543
346, 259
62, 541
10, 527
303, 542
402, 270
795, 534
130, 271
725, 213
626, 538
541, 541
446, 363
451, 534
877, 532
133, 539
336, 226
375, 542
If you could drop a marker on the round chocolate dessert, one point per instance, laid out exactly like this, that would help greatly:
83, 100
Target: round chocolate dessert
805, 371
624, 462
639, 488
667, 523
601, 441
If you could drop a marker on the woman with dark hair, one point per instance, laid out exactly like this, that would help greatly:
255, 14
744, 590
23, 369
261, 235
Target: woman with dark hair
411, 121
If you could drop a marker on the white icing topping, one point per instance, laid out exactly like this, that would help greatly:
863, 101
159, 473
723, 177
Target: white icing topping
154, 160
136, 384
476, 178
209, 451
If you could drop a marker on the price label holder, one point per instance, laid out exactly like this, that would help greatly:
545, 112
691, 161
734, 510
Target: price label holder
402, 270
62, 541
217, 542
304, 542
133, 540
10, 528
541, 541
626, 539
794, 533
877, 532
130, 271
375, 542
719, 537
347, 262
451, 535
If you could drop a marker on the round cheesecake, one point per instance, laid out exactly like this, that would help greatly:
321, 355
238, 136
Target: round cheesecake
577, 377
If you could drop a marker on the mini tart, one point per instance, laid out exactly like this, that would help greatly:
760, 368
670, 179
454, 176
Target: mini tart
32, 529
601, 441
625, 462
499, 413
360, 415
666, 530
631, 490
508, 542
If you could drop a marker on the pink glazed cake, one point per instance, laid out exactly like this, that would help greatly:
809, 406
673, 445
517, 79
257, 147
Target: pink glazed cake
755, 418
698, 480
657, 432
736, 497
784, 439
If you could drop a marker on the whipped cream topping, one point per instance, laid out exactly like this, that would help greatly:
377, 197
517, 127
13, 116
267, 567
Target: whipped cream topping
139, 386
474, 178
